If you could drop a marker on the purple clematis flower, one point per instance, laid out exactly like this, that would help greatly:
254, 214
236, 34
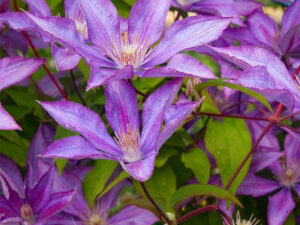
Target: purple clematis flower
13, 70
115, 53
225, 8
99, 213
287, 174
34, 201
134, 150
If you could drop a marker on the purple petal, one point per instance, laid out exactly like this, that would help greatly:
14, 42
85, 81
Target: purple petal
37, 167
6, 209
102, 21
121, 106
291, 17
134, 216
12, 176
279, 207
78, 118
68, 181
15, 69
63, 31
100, 76
74, 147
7, 122
16, 20
187, 33
174, 117
65, 59
12, 41
153, 112
141, 170
123, 25
263, 28
262, 186
290, 39
245, 57
297, 189
190, 65
227, 8
264, 158
73, 11
106, 202
38, 7
147, 20
48, 86
56, 203
39, 195
292, 150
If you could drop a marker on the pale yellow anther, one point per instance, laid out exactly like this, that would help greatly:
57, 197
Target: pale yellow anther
129, 142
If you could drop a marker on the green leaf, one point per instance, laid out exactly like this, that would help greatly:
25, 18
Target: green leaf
162, 184
84, 68
211, 83
229, 141
164, 154
123, 175
60, 164
122, 7
291, 219
192, 190
130, 2
13, 151
95, 181
14, 138
208, 105
198, 162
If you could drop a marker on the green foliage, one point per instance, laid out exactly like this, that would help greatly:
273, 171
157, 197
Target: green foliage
229, 141
211, 83
198, 162
193, 190
95, 181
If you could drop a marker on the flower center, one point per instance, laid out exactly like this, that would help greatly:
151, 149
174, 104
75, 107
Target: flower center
129, 142
128, 52
81, 27
289, 177
95, 219
27, 214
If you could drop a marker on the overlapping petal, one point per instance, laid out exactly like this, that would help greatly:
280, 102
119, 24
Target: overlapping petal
279, 207
7, 122
102, 21
147, 20
78, 118
74, 147
121, 106
185, 34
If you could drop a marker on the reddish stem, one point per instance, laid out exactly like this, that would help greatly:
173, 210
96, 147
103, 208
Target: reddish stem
209, 208
270, 124
16, 8
233, 116
296, 73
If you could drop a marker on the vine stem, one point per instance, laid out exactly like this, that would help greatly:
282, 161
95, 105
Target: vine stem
16, 8
76, 88
275, 117
160, 212
209, 208
233, 116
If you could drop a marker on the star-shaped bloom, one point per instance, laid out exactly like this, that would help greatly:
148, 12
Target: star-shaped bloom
32, 201
12, 71
99, 212
116, 48
135, 150
287, 177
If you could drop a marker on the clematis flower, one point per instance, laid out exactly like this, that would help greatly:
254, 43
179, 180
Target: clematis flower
226, 8
34, 201
100, 212
134, 150
117, 54
13, 70
273, 80
287, 174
